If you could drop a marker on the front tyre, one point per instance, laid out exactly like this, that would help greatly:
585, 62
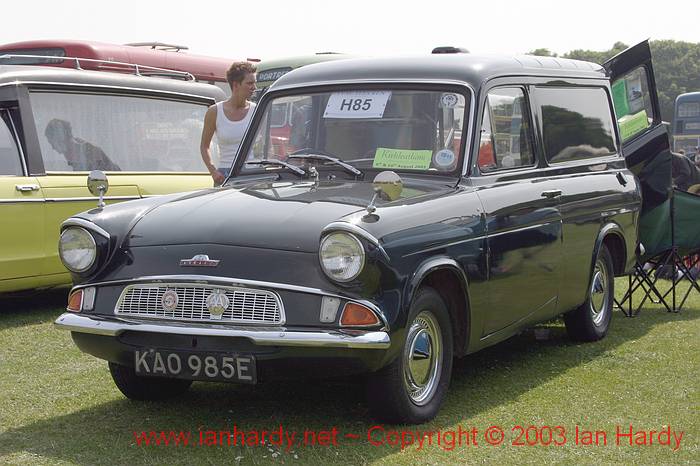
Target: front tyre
410, 390
136, 387
590, 322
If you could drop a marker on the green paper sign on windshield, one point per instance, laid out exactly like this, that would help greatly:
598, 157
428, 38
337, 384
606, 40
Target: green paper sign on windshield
405, 159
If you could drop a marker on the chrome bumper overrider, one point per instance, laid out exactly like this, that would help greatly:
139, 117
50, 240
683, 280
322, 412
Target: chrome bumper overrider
260, 336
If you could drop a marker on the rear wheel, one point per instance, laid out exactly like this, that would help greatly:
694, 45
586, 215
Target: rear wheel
411, 389
137, 387
590, 322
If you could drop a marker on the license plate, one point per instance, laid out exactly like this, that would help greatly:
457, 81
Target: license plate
196, 366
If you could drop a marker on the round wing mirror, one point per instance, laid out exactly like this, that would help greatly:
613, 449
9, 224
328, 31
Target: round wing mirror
388, 184
98, 185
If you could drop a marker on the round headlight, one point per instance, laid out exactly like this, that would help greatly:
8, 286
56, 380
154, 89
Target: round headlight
77, 249
342, 256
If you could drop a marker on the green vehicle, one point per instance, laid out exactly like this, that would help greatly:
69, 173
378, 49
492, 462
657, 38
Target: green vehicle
270, 71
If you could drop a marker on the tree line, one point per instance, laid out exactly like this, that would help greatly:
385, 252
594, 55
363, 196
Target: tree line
676, 67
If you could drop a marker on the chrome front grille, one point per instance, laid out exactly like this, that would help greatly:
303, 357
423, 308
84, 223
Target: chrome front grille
245, 305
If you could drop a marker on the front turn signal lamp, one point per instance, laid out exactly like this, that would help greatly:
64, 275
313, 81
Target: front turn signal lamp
75, 301
82, 300
357, 315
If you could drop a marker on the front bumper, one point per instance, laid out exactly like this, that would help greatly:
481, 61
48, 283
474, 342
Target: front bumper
260, 336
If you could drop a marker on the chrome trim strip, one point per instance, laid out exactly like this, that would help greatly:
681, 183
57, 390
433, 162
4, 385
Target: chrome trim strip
269, 337
15, 134
91, 199
471, 116
512, 230
623, 210
16, 201
85, 224
228, 281
352, 228
177, 95
446, 245
74, 199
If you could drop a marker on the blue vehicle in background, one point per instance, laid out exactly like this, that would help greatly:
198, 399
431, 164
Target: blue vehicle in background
686, 123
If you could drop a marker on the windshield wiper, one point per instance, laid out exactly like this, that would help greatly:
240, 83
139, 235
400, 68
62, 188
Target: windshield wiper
327, 158
278, 163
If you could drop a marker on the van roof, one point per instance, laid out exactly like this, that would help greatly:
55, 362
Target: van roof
473, 69
18, 74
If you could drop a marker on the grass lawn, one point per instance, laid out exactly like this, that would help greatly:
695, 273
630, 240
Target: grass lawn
59, 406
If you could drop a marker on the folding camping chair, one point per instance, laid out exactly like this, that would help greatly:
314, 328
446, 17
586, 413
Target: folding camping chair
670, 239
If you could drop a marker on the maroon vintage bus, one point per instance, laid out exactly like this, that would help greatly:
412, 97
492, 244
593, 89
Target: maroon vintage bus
108, 56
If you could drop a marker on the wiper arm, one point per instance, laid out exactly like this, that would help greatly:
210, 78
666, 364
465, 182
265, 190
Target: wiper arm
278, 163
327, 158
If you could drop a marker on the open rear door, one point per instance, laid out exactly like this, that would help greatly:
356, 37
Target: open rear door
644, 137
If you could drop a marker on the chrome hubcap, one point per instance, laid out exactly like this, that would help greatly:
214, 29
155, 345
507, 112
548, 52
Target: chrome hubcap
599, 293
422, 358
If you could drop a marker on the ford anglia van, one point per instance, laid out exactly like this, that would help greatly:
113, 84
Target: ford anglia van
57, 124
378, 246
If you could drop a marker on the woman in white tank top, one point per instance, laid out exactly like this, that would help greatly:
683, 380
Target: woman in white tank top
229, 120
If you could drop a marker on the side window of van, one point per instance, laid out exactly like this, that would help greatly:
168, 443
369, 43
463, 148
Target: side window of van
9, 154
632, 103
576, 123
506, 133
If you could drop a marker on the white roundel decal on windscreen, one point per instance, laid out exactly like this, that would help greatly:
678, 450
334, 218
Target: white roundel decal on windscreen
449, 100
444, 159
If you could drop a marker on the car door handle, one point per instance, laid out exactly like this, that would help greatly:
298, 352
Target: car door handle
24, 188
551, 194
621, 179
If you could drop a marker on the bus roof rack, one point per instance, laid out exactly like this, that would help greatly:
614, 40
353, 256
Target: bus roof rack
101, 65
159, 46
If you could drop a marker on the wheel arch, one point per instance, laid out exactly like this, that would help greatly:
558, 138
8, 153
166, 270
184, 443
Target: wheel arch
447, 278
612, 236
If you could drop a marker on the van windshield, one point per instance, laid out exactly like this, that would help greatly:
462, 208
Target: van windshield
386, 129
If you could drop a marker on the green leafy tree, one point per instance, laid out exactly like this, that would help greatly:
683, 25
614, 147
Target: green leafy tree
677, 71
596, 57
542, 52
676, 67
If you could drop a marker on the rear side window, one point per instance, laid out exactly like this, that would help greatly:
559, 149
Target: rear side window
576, 123
506, 140
632, 103
9, 154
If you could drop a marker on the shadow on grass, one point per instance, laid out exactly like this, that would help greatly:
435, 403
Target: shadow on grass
31, 307
105, 433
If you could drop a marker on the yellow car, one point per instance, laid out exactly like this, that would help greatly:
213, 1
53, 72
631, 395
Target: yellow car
59, 124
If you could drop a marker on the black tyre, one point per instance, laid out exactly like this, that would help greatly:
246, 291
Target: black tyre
410, 390
590, 322
137, 387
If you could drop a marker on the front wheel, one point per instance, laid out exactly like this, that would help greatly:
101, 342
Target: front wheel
411, 389
590, 322
137, 387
